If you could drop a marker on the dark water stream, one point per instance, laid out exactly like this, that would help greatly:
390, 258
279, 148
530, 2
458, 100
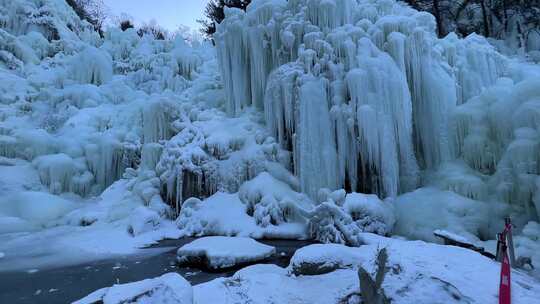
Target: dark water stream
70, 283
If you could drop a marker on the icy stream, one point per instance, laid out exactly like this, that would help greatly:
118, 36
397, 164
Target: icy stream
67, 284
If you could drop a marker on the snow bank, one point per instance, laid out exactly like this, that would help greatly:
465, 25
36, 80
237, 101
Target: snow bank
223, 252
37, 208
269, 283
425, 210
416, 272
169, 288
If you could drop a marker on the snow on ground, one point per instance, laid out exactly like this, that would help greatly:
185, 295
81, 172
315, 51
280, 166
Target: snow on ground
104, 141
272, 284
169, 288
97, 229
223, 252
418, 272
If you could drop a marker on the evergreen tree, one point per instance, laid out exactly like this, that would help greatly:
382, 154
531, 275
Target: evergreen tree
215, 13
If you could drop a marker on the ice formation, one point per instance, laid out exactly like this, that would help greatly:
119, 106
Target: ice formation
361, 92
86, 109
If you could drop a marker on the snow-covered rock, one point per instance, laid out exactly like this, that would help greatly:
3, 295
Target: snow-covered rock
217, 252
169, 288
319, 259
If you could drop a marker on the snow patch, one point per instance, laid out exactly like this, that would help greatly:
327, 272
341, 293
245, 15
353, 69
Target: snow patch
169, 288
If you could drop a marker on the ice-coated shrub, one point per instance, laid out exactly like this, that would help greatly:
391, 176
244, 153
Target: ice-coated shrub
370, 213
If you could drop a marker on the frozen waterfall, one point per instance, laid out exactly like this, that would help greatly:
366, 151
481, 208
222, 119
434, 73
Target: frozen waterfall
362, 91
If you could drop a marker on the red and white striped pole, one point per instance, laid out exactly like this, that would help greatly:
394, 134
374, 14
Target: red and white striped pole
505, 283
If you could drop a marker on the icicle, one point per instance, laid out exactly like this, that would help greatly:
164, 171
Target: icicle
150, 155
434, 96
92, 66
156, 121
317, 159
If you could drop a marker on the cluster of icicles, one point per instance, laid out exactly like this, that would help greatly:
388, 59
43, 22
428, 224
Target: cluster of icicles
361, 91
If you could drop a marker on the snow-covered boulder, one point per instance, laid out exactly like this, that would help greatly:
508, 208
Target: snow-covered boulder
318, 259
217, 252
170, 288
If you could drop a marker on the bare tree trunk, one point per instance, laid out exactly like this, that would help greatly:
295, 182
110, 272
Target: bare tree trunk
437, 12
505, 16
413, 4
485, 18
457, 15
